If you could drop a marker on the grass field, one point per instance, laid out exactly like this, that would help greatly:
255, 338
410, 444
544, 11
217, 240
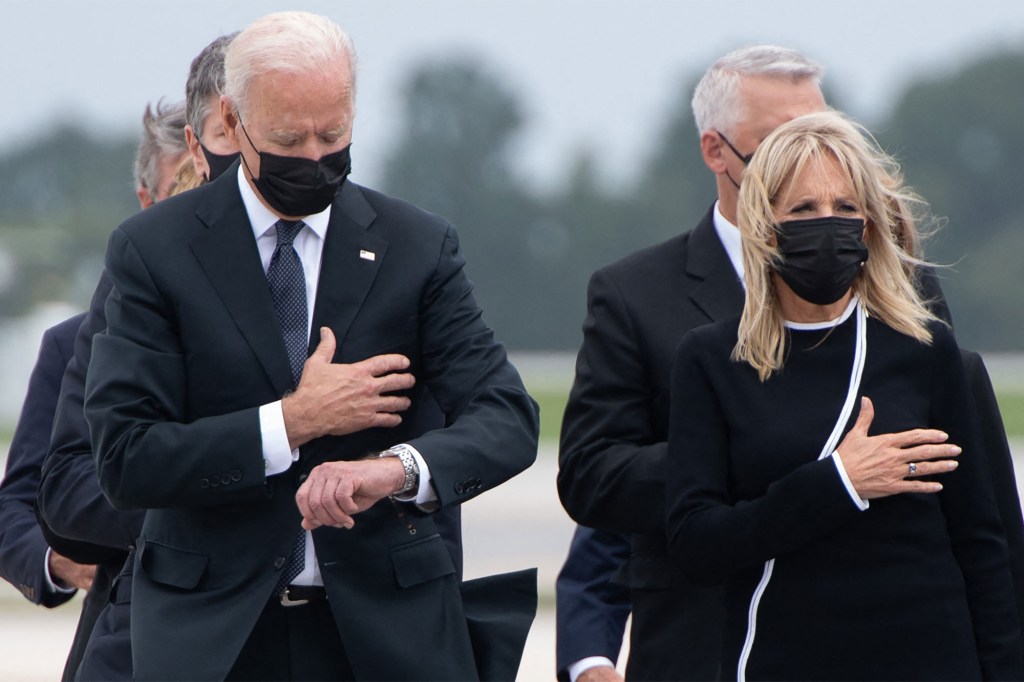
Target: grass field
1011, 404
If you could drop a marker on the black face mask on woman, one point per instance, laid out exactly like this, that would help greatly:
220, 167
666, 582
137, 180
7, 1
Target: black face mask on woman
296, 186
821, 256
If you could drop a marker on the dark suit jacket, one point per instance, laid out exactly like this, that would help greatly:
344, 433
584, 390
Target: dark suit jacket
191, 351
80, 523
23, 537
613, 446
79, 520
615, 429
22, 545
590, 608
1000, 466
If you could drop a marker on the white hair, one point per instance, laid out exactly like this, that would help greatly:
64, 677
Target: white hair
716, 99
292, 42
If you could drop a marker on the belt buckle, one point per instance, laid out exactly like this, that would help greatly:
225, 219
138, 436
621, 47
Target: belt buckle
287, 601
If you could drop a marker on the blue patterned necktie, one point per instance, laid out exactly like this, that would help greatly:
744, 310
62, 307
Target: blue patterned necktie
288, 289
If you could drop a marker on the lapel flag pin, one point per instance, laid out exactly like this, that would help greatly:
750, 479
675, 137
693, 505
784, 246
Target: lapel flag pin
367, 255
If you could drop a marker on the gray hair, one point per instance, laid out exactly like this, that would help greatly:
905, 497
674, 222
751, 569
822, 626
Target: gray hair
716, 99
205, 80
293, 42
163, 135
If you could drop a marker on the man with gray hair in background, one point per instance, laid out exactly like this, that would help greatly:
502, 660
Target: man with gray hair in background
160, 152
70, 500
270, 339
615, 429
48, 568
212, 153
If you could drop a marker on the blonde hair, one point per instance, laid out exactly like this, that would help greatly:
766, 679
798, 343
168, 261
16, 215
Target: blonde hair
186, 177
886, 283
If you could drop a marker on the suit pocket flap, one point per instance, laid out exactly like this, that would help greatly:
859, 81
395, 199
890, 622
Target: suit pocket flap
170, 566
420, 561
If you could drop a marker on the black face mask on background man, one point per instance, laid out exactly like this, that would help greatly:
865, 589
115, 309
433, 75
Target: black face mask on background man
821, 256
218, 163
296, 186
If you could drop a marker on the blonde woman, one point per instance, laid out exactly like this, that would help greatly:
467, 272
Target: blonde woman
822, 457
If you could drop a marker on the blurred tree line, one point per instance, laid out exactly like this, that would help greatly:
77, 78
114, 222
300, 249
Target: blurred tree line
531, 251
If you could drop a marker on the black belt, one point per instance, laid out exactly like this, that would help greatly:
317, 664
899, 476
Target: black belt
297, 595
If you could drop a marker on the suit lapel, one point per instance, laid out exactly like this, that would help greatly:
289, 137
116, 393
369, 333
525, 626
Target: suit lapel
719, 294
351, 259
228, 255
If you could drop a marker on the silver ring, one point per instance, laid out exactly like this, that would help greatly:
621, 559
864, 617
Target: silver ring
913, 468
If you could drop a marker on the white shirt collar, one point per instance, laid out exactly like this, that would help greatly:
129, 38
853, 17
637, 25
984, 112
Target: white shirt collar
729, 235
811, 326
262, 219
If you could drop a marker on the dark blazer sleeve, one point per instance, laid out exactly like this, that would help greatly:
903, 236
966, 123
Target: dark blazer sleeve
608, 441
70, 500
972, 517
493, 423
992, 439
591, 610
136, 397
22, 545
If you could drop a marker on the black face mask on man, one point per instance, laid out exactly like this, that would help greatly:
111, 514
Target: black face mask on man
821, 256
296, 186
218, 163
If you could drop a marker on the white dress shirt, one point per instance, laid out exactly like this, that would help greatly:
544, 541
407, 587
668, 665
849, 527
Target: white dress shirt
309, 245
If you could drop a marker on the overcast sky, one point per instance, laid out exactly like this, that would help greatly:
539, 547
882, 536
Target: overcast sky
594, 72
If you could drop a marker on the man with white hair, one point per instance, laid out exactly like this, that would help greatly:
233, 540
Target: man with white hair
615, 430
270, 338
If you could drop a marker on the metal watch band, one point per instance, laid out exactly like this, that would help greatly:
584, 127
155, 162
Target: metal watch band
412, 470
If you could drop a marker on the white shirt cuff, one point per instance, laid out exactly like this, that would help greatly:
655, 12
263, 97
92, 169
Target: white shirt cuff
277, 456
861, 503
425, 494
48, 579
581, 666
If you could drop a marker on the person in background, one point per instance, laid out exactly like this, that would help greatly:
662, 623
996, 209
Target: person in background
71, 503
31, 558
211, 151
161, 151
843, 555
614, 434
593, 590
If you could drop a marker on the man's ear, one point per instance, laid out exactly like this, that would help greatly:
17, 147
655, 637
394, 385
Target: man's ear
229, 119
145, 198
196, 152
712, 150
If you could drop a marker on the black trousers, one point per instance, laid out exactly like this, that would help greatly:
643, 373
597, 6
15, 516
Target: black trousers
293, 643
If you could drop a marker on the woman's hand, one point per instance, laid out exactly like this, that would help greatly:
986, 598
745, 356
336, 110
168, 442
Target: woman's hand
889, 463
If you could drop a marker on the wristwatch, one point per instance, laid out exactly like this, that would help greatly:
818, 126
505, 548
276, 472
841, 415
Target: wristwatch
412, 470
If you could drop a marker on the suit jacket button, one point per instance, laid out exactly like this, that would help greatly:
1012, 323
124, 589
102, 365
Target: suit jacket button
459, 489
236, 475
225, 479
204, 483
279, 563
